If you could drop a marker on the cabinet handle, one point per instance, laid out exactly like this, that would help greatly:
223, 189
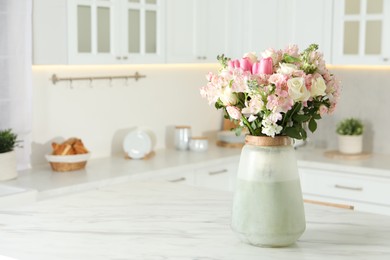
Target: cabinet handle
199, 57
204, 57
124, 57
337, 186
178, 180
218, 172
385, 59
118, 57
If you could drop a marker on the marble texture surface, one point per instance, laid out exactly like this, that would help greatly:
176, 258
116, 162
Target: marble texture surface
160, 221
116, 169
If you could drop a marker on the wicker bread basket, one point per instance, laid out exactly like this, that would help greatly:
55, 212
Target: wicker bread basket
64, 163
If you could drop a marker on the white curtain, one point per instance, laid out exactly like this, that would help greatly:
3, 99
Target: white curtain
15, 73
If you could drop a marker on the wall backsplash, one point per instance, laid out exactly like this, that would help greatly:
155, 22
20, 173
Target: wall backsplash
365, 93
102, 112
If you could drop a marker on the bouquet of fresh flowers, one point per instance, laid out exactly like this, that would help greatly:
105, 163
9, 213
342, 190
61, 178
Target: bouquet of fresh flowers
276, 94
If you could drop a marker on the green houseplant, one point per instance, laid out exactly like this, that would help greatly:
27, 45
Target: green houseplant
350, 126
8, 142
350, 135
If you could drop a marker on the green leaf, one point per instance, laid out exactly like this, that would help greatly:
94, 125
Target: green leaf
293, 132
290, 59
300, 118
303, 133
219, 104
238, 130
317, 116
312, 125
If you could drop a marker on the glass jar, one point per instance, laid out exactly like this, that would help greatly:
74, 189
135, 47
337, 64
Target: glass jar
182, 137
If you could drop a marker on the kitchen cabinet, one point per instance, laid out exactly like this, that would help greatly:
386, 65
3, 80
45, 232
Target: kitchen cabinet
221, 176
361, 32
199, 30
304, 22
99, 31
286, 22
363, 192
179, 177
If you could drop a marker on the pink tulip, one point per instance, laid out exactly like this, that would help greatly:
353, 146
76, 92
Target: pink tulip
246, 64
255, 68
233, 64
266, 66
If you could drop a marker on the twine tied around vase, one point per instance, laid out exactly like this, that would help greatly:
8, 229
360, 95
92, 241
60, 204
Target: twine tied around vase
267, 140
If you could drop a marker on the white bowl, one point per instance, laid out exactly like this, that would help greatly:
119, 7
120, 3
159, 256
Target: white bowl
199, 144
68, 158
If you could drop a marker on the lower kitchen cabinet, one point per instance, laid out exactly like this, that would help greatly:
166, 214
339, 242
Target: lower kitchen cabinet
367, 192
362, 192
219, 177
180, 177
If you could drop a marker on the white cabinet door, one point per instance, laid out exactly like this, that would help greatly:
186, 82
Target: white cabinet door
310, 21
277, 24
179, 177
99, 31
361, 33
221, 176
197, 30
180, 17
50, 41
365, 193
142, 33
91, 31
260, 25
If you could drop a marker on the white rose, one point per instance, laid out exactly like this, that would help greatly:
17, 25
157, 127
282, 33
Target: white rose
297, 89
227, 97
251, 56
270, 53
318, 87
287, 68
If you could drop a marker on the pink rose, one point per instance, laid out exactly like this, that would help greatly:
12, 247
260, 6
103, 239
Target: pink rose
233, 112
323, 110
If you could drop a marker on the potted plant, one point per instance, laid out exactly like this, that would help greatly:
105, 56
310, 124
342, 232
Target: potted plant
350, 132
7, 155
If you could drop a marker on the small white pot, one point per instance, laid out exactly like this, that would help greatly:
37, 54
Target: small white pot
8, 166
351, 144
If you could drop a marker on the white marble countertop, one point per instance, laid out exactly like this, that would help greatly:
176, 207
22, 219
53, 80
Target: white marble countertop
153, 221
116, 169
374, 165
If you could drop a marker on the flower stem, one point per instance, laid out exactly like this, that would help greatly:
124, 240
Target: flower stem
247, 124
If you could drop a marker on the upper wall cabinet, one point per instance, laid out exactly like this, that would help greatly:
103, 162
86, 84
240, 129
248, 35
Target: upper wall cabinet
199, 30
99, 31
310, 21
277, 24
361, 32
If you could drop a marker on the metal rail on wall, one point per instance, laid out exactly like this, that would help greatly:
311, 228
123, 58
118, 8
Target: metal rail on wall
54, 78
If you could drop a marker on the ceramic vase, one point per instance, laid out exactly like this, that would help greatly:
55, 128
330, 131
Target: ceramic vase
268, 207
8, 166
351, 144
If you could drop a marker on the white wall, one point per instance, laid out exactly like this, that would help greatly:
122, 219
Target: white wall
102, 113
365, 94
